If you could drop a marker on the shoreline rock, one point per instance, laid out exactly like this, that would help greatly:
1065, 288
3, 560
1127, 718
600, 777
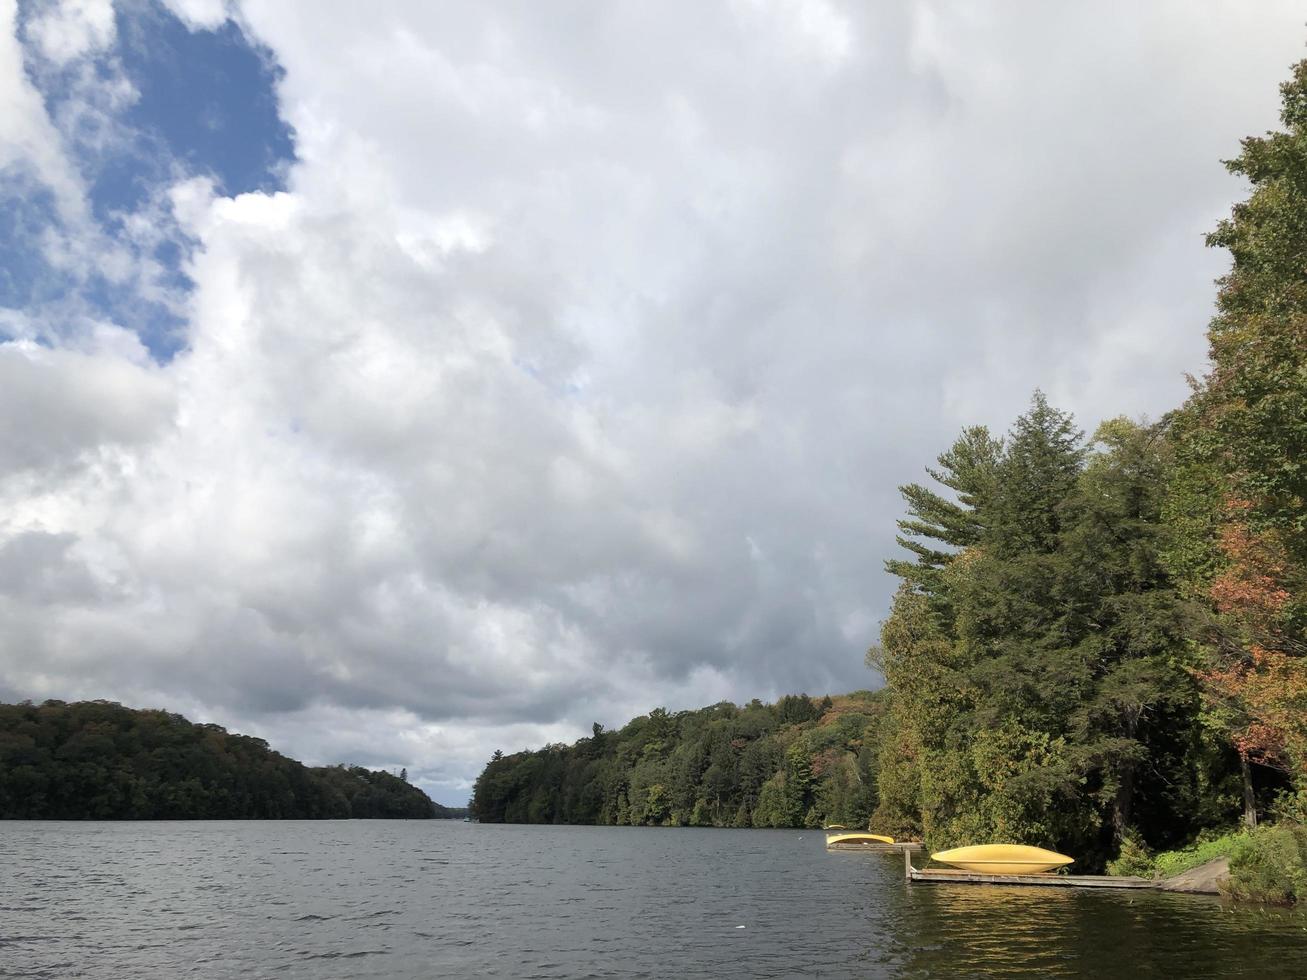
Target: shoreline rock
1202, 880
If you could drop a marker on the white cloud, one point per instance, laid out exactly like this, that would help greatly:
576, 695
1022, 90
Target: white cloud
57, 405
31, 149
574, 370
64, 30
200, 14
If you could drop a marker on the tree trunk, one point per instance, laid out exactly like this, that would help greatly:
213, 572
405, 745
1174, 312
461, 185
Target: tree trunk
1123, 803
1121, 806
1249, 800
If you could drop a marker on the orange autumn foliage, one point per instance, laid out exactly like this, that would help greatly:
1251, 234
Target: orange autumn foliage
1268, 693
1259, 684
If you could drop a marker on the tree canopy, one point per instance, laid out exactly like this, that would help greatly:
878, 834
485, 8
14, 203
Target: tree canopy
99, 760
1039, 682
795, 763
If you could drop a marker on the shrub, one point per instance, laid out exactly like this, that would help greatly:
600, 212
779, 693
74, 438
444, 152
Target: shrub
1270, 865
1133, 859
1291, 806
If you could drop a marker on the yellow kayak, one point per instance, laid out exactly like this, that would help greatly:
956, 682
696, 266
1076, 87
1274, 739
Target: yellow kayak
1003, 859
857, 838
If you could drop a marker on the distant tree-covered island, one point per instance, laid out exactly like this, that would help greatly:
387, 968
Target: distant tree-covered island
97, 760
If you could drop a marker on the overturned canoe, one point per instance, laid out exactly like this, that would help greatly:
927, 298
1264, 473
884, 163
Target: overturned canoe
854, 838
1003, 859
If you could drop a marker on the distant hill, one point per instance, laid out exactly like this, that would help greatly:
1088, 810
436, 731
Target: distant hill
97, 760
797, 763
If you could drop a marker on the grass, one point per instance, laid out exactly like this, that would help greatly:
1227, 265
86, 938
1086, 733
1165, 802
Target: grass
1170, 863
1268, 864
1135, 860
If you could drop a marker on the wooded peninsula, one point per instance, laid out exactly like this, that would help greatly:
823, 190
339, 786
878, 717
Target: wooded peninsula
96, 760
1099, 644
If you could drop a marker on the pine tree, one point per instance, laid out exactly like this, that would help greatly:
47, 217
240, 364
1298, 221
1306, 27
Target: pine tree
1037, 473
1037, 683
1137, 716
936, 527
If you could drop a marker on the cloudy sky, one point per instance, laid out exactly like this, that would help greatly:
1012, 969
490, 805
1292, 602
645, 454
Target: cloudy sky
400, 381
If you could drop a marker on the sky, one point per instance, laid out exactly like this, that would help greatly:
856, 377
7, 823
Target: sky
398, 382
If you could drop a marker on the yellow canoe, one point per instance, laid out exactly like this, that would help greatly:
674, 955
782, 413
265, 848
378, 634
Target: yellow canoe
835, 826
1003, 859
857, 838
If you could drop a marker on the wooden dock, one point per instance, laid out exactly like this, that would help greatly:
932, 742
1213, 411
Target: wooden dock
903, 847
956, 876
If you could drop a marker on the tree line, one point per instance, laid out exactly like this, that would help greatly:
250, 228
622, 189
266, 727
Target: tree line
796, 763
96, 760
1097, 643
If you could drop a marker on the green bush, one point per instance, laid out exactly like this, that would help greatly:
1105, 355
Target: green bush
1270, 865
1134, 859
1292, 807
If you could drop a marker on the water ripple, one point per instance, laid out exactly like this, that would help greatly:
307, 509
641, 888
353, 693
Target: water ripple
415, 899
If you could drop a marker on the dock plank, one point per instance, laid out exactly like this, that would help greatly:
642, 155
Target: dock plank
948, 876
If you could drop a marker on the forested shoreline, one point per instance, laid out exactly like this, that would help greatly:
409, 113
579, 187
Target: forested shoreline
1098, 644
97, 760
800, 762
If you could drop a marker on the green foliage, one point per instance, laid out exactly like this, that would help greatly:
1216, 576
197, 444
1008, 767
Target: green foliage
937, 526
772, 810
797, 763
1040, 689
378, 794
794, 709
1270, 865
1237, 501
1291, 806
1168, 864
898, 777
1133, 858
97, 760
1036, 473
1255, 400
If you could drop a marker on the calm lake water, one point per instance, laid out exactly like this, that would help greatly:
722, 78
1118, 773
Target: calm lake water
438, 898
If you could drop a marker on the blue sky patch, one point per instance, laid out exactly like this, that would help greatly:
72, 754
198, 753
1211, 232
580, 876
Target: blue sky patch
209, 97
24, 275
205, 105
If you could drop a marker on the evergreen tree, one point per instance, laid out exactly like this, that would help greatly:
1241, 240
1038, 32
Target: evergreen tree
1135, 727
1038, 683
1037, 472
937, 527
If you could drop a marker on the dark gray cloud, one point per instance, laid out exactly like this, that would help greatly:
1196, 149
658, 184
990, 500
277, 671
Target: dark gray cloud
574, 372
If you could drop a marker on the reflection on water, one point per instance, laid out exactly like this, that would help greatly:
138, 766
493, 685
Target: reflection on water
989, 931
434, 898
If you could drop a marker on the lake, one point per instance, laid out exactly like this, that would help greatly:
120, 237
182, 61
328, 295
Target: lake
439, 898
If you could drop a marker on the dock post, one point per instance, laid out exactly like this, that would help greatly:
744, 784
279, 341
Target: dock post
907, 864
